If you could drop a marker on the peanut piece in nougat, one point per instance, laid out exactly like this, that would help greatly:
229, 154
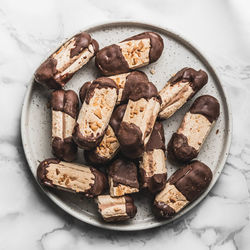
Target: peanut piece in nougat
186, 143
109, 145
139, 119
122, 177
179, 89
95, 113
64, 105
71, 177
116, 208
184, 186
152, 167
57, 70
132, 53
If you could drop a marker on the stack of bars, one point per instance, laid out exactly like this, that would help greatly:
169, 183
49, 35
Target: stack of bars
119, 126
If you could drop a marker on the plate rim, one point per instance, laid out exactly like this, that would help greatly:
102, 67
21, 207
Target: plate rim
198, 52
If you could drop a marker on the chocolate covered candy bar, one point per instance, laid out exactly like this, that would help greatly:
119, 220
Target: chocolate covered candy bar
95, 113
184, 186
109, 145
116, 208
64, 105
153, 170
179, 89
71, 177
57, 70
132, 53
125, 84
123, 177
186, 143
139, 119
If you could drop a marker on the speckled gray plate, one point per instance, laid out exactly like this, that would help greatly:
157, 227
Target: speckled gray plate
178, 53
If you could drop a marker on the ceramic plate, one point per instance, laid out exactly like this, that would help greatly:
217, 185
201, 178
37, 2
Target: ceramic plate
178, 53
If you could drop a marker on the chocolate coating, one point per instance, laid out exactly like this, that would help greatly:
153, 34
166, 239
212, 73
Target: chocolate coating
97, 188
156, 43
155, 183
157, 138
208, 106
117, 117
179, 150
46, 73
99, 185
83, 91
132, 80
110, 61
197, 79
42, 171
144, 90
99, 83
130, 139
64, 149
123, 171
161, 209
131, 209
192, 180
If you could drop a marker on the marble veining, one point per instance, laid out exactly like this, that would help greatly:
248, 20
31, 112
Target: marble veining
29, 30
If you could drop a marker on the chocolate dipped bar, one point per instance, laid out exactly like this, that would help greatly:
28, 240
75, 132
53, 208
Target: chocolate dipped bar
71, 177
183, 187
139, 119
95, 113
57, 70
109, 145
132, 53
179, 89
152, 167
64, 106
116, 208
186, 143
122, 176
125, 84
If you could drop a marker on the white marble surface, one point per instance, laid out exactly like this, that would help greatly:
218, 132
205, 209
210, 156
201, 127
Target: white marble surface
28, 29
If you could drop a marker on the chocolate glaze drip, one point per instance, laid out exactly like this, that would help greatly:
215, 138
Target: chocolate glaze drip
156, 43
123, 171
110, 61
157, 138
179, 150
192, 180
132, 80
131, 209
130, 139
144, 90
208, 106
102, 82
83, 91
197, 79
117, 117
